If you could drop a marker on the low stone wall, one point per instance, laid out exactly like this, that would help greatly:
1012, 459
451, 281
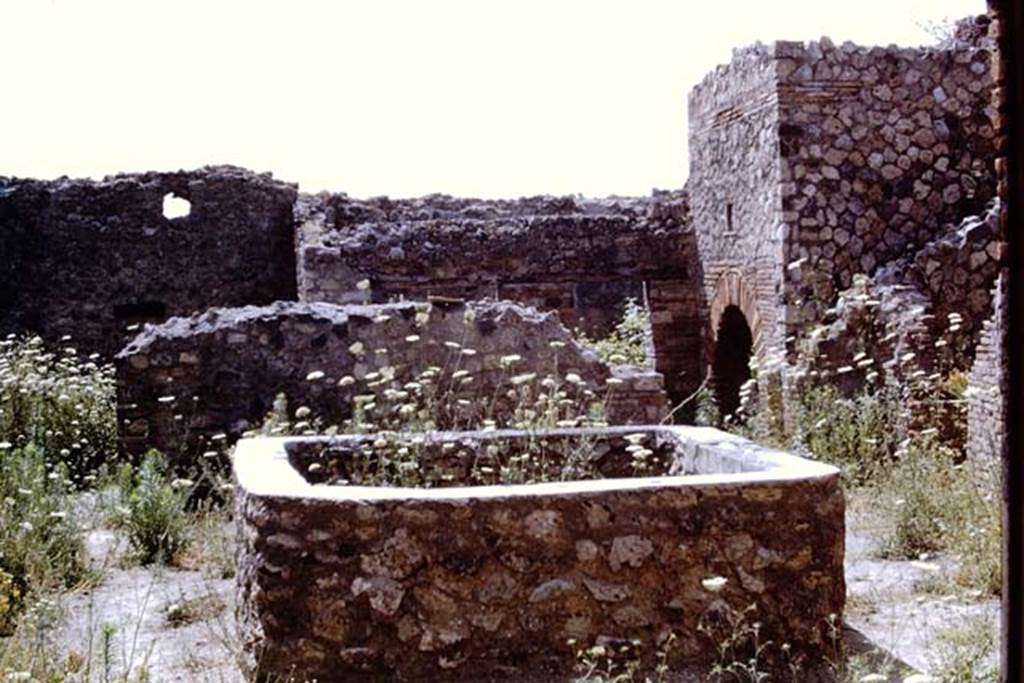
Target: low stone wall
193, 383
583, 258
480, 583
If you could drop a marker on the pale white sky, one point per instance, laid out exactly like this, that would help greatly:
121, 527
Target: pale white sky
474, 97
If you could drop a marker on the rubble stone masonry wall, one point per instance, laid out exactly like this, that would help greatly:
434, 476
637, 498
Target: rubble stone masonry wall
491, 583
580, 257
197, 383
91, 258
879, 149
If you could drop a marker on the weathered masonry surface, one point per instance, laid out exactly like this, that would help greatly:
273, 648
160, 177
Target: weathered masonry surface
471, 583
189, 383
581, 258
811, 164
91, 259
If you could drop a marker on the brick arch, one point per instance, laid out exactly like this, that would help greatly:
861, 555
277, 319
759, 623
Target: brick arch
732, 289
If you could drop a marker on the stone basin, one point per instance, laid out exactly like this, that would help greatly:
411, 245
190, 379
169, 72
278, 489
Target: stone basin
485, 582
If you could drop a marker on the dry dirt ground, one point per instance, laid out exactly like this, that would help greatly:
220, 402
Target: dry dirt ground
177, 624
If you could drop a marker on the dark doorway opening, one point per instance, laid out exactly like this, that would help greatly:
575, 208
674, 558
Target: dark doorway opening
731, 364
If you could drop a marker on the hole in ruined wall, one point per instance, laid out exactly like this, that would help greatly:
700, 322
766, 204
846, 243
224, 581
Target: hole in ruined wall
176, 207
731, 363
728, 217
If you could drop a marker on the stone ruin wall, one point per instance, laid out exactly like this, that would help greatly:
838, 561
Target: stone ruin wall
196, 384
882, 150
450, 586
810, 163
89, 259
734, 186
581, 258
985, 410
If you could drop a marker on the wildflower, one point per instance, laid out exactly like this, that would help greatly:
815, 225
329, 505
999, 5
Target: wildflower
573, 378
314, 376
556, 344
613, 381
714, 584
5, 445
165, 399
412, 338
347, 380
382, 318
453, 345
210, 454
182, 483
302, 413
509, 361
873, 678
845, 369
357, 349
363, 285
524, 378
422, 317
468, 352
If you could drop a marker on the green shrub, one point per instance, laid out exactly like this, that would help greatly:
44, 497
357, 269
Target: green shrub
965, 652
939, 508
627, 342
153, 510
40, 545
856, 434
57, 401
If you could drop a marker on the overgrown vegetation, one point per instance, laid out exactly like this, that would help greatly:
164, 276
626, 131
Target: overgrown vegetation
40, 543
152, 510
901, 442
627, 343
58, 402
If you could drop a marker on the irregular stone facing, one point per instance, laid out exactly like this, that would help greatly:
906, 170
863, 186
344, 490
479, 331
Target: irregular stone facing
580, 257
89, 258
195, 383
879, 148
986, 416
343, 582
837, 159
955, 272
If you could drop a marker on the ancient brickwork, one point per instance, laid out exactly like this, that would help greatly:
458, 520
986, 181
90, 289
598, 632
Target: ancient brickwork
90, 258
581, 258
879, 148
985, 410
190, 383
734, 188
492, 583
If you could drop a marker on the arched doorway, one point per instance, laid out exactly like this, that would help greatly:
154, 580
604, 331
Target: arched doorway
730, 365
